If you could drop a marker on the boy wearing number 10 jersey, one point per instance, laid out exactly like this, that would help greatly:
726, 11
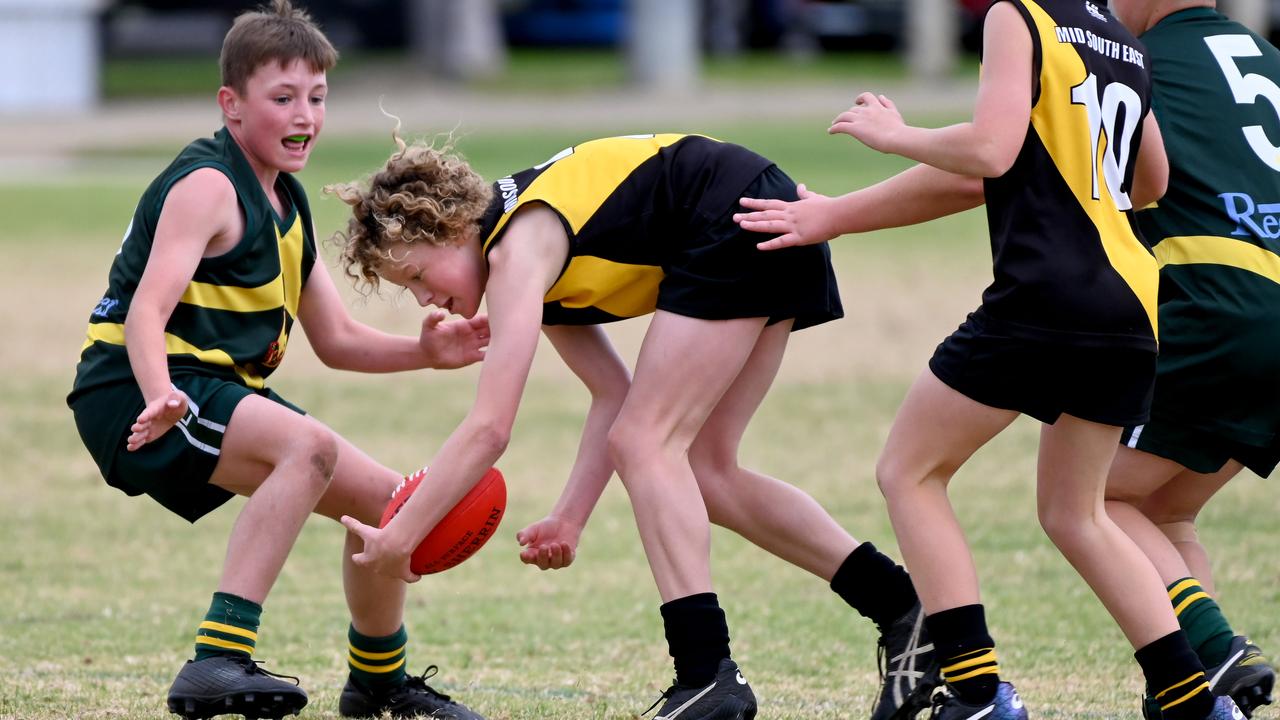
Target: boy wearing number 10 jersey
1066, 146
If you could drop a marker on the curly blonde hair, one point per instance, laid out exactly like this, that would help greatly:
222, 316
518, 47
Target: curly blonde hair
422, 194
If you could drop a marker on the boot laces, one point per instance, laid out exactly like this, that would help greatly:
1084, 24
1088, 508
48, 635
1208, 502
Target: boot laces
419, 683
938, 699
254, 667
666, 695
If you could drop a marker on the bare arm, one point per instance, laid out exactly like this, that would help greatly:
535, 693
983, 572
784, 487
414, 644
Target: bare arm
341, 342
1151, 174
552, 542
520, 271
915, 195
200, 211
985, 147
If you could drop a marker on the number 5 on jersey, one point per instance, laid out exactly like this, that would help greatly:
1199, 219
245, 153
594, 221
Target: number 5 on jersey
1247, 88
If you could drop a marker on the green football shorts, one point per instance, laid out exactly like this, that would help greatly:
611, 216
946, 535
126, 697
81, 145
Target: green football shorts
174, 469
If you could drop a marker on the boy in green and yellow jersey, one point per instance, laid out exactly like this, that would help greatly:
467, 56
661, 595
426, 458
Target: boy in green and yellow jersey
1216, 235
170, 397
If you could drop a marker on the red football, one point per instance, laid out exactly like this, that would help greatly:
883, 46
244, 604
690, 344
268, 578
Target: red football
462, 531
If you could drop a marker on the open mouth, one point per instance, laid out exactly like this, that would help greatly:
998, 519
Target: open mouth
297, 143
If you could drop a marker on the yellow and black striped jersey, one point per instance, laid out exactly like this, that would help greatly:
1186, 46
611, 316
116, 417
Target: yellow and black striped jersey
630, 206
235, 315
1069, 265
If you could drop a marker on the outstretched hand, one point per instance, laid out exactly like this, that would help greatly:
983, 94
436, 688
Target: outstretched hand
800, 222
156, 418
873, 120
550, 543
378, 555
455, 343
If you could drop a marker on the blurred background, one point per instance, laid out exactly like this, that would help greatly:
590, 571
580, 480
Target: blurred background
98, 591
74, 54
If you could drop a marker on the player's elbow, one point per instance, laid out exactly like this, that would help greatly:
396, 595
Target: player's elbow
994, 158
490, 436
1149, 186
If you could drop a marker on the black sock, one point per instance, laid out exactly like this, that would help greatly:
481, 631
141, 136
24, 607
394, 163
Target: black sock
966, 652
1175, 678
874, 585
698, 637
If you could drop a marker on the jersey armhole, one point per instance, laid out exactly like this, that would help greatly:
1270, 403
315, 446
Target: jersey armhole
250, 222
568, 231
1037, 53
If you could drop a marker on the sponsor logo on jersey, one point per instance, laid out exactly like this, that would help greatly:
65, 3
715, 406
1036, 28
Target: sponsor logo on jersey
105, 306
1094, 11
510, 194
1251, 217
274, 354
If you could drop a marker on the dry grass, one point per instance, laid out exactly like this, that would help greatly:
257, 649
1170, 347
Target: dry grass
99, 592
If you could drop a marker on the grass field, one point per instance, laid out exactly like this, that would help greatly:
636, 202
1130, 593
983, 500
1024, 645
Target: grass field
99, 593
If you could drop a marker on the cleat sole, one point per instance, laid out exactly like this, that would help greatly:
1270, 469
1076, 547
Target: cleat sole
1254, 693
249, 705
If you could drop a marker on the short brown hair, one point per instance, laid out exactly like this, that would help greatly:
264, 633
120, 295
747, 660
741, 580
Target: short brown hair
276, 32
422, 194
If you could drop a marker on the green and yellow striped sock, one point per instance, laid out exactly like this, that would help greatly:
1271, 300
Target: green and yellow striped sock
1202, 620
377, 663
229, 628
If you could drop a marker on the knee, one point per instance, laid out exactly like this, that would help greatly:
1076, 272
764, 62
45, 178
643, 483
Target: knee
898, 476
632, 445
1065, 526
316, 451
1170, 513
371, 500
1180, 531
621, 449
714, 486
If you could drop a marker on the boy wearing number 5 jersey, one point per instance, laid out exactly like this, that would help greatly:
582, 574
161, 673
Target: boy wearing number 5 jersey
1216, 234
1066, 146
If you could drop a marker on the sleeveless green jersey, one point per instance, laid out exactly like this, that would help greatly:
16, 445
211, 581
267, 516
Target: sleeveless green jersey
234, 317
1216, 232
1068, 264
628, 205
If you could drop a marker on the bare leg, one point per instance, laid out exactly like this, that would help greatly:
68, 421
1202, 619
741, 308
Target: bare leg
1174, 508
1156, 501
684, 368
778, 517
258, 446
1075, 457
936, 430
283, 461
1133, 476
361, 488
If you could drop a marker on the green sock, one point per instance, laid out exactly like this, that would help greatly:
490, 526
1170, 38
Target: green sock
229, 628
377, 663
1202, 620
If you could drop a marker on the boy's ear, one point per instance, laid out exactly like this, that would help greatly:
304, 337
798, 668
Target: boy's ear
229, 101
